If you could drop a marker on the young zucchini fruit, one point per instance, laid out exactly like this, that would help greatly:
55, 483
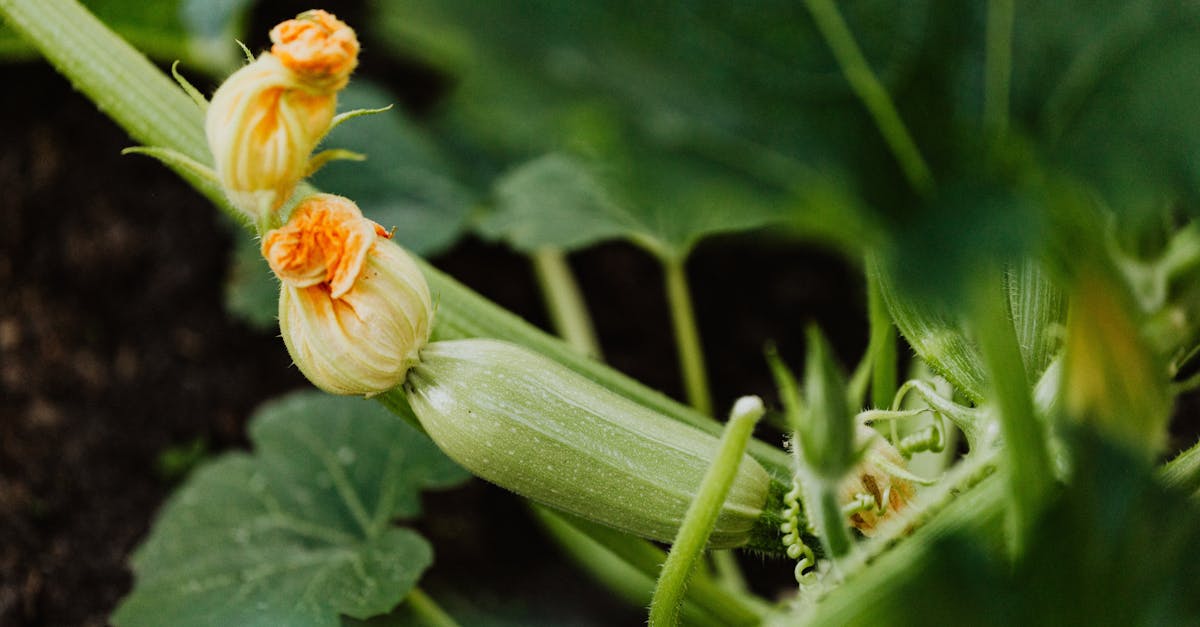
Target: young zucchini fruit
530, 425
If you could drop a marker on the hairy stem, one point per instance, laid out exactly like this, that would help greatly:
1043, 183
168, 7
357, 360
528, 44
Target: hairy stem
1183, 472
705, 597
702, 514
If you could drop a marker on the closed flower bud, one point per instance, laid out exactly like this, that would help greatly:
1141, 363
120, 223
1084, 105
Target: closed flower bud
354, 308
262, 127
874, 478
318, 47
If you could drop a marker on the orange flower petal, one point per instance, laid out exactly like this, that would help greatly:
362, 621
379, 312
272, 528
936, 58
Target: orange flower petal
326, 241
317, 46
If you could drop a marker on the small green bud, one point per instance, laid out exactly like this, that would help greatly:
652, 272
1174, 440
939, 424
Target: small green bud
532, 426
826, 430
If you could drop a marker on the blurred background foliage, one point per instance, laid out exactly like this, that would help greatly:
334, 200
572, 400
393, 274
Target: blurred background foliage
567, 124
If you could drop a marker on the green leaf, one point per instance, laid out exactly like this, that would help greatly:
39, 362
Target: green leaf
405, 181
935, 332
702, 116
298, 532
1038, 310
555, 201
560, 201
201, 32
826, 427
1111, 87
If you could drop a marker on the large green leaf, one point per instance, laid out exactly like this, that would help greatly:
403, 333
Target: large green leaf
701, 116
561, 201
298, 532
1111, 87
200, 32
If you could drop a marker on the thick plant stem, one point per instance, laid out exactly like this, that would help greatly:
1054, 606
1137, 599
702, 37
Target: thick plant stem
997, 69
1030, 473
565, 302
687, 337
702, 513
872, 93
882, 345
428, 611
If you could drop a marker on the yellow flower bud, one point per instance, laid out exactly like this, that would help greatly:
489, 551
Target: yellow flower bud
872, 478
318, 47
262, 127
354, 309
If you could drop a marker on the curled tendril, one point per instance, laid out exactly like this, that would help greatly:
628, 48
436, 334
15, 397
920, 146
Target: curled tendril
931, 438
970, 420
864, 502
806, 564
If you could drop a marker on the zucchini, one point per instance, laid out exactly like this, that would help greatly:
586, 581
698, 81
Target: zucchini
531, 426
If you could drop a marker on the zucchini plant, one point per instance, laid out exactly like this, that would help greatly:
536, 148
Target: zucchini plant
1019, 195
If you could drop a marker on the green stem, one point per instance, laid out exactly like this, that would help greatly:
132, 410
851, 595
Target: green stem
827, 513
882, 345
629, 565
564, 301
1030, 472
872, 93
687, 337
729, 574
427, 610
702, 513
997, 69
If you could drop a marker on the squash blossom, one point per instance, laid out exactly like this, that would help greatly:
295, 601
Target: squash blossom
354, 309
266, 119
872, 477
318, 47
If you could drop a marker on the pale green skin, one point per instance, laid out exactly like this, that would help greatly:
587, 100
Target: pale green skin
532, 426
